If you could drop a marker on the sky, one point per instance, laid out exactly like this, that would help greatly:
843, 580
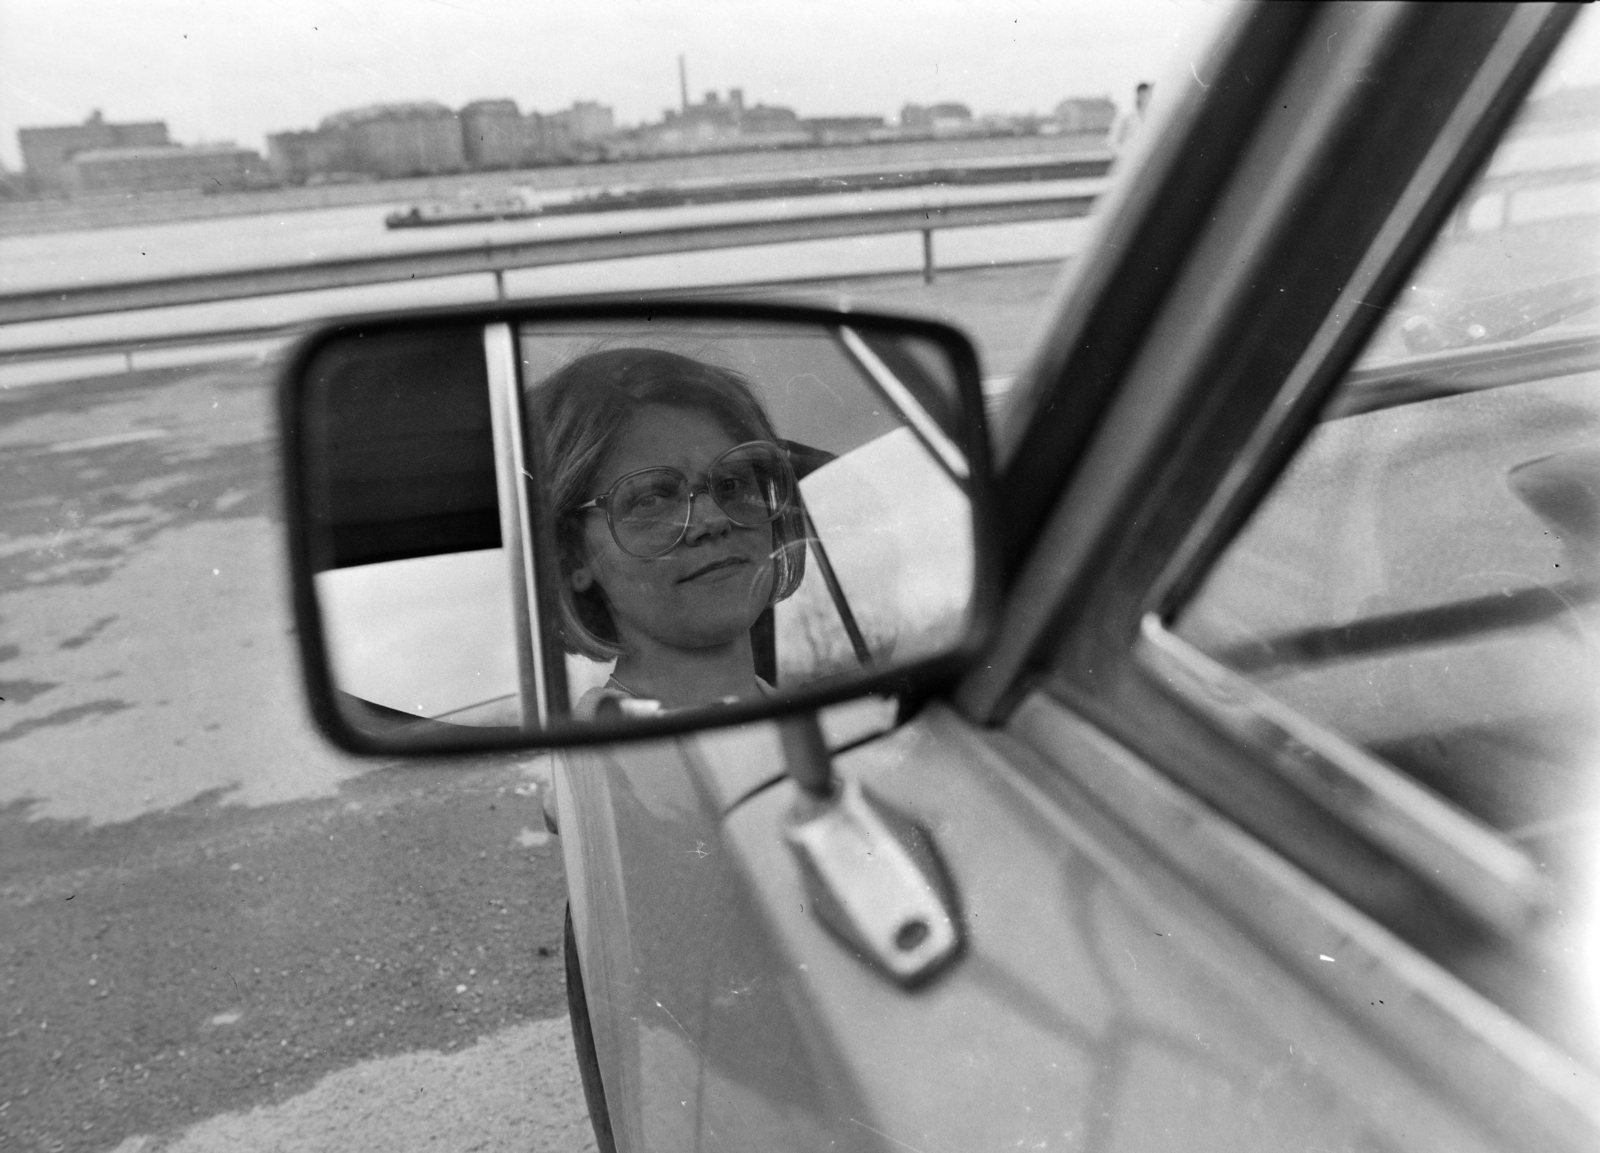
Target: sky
236, 70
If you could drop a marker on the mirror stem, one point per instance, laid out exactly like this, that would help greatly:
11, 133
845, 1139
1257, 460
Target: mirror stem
872, 875
805, 753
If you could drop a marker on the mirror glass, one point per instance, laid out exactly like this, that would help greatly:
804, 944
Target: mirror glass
580, 522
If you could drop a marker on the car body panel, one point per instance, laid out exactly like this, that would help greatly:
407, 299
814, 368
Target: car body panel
1116, 1005
1101, 1005
672, 967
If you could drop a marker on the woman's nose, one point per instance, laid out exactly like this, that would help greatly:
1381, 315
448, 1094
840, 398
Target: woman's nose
706, 518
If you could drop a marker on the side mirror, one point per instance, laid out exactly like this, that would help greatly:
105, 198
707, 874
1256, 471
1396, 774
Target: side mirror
554, 525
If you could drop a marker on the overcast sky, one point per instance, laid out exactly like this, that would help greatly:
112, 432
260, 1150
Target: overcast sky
239, 69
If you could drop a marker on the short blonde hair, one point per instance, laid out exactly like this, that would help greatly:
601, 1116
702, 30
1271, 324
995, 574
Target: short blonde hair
580, 411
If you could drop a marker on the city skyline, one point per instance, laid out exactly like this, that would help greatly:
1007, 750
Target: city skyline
242, 73
696, 101
382, 141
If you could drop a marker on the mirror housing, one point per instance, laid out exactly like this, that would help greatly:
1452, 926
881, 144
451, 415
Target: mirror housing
423, 532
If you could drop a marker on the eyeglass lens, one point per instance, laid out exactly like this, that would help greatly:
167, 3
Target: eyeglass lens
649, 510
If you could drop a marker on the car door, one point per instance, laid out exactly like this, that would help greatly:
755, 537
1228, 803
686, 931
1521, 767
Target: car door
1200, 911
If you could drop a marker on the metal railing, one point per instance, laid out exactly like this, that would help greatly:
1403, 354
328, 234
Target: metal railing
496, 258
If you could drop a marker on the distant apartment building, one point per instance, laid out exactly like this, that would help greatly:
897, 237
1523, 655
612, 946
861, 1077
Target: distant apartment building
844, 129
427, 138
46, 151
718, 122
401, 139
495, 134
772, 123
1085, 114
587, 121
713, 115
577, 131
936, 119
298, 157
164, 168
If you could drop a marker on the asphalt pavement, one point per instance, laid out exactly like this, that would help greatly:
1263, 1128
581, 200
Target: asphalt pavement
203, 908
215, 957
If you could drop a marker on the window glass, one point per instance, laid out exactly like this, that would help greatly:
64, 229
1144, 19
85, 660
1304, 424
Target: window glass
1425, 579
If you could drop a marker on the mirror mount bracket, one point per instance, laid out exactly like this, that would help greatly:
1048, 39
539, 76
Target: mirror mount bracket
872, 875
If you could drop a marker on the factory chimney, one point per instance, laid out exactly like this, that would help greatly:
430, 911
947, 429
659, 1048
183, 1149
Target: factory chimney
683, 85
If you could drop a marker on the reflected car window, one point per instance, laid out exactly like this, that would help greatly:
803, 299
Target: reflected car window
873, 533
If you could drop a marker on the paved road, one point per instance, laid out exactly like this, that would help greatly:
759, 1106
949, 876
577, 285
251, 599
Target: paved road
213, 926
217, 957
203, 908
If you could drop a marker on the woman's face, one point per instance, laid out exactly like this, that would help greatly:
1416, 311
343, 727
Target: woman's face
709, 589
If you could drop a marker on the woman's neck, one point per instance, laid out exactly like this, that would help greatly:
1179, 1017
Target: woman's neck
679, 678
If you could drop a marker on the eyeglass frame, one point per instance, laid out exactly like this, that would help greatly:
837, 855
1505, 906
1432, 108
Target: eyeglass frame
603, 501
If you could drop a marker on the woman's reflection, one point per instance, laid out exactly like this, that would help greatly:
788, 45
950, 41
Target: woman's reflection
677, 521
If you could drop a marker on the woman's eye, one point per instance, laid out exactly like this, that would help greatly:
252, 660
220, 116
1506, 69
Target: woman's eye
732, 483
651, 499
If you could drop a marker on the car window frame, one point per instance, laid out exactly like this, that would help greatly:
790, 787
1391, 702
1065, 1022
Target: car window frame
1188, 413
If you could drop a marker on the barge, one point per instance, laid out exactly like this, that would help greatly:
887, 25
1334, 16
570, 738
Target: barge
525, 203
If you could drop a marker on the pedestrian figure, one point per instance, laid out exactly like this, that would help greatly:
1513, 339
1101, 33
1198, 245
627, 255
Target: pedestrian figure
1131, 122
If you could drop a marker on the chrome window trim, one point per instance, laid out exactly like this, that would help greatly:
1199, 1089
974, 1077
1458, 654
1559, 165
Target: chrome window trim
1502, 1075
1486, 874
516, 518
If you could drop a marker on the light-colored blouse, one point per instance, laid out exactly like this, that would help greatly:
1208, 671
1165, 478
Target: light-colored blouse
630, 704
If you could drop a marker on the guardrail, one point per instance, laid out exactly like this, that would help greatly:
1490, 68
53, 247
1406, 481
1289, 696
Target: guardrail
498, 258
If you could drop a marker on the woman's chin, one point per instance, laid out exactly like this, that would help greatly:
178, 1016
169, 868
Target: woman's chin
711, 630
702, 616
702, 639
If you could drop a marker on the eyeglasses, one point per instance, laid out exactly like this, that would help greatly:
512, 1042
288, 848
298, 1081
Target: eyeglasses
649, 511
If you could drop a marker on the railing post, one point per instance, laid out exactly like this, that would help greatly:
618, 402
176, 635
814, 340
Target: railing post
499, 284
927, 256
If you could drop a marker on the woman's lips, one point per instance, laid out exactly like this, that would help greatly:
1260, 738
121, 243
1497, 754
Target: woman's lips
714, 567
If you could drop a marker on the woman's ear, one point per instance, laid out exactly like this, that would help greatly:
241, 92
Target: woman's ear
581, 579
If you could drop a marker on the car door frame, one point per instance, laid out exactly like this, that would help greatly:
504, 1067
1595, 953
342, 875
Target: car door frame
1244, 263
